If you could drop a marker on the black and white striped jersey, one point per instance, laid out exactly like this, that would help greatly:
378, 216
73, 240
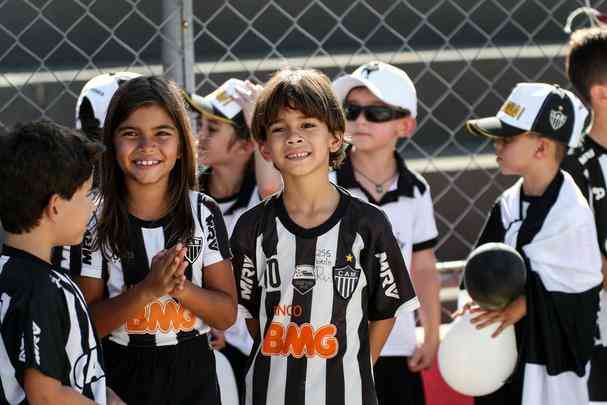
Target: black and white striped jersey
555, 234
408, 205
314, 292
45, 325
164, 321
587, 164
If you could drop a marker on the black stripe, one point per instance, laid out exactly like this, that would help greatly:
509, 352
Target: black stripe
335, 384
75, 260
105, 274
215, 220
369, 397
425, 245
295, 390
261, 368
135, 268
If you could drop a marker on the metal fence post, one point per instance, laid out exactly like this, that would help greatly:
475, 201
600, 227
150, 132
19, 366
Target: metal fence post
188, 45
172, 57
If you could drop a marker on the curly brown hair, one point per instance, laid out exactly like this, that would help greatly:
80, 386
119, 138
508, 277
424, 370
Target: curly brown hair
308, 91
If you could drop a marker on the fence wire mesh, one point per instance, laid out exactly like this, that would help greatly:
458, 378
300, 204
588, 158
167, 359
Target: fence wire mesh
463, 55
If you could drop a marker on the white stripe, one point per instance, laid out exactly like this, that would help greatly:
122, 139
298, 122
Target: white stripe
153, 239
115, 285
562, 389
354, 316
13, 392
320, 315
285, 248
73, 348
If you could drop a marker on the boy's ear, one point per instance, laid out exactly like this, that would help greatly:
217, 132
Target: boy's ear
336, 142
407, 127
53, 208
264, 150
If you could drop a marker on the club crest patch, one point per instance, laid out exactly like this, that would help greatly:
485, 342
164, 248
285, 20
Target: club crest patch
304, 278
194, 248
345, 280
557, 119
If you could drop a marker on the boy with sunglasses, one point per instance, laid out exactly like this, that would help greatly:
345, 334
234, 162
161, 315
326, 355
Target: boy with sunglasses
380, 105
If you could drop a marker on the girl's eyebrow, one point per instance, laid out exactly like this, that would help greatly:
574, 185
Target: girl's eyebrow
164, 126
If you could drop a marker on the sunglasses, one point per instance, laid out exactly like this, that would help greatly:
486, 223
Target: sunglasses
374, 113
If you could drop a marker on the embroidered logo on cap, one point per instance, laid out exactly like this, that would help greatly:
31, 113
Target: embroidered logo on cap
512, 109
369, 68
557, 119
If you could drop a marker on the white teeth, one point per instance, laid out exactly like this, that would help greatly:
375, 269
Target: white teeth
146, 162
298, 155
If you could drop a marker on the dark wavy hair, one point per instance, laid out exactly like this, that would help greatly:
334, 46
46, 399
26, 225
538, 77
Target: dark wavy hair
308, 91
113, 233
586, 60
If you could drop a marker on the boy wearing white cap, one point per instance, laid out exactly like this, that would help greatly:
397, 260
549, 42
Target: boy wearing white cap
545, 217
380, 104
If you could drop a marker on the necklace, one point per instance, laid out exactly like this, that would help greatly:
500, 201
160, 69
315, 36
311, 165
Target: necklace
379, 187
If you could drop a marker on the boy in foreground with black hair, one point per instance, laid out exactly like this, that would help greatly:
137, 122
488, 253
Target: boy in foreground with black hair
319, 272
51, 353
586, 64
546, 219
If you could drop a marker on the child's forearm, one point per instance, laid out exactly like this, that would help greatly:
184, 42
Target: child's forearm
41, 389
378, 334
426, 282
217, 308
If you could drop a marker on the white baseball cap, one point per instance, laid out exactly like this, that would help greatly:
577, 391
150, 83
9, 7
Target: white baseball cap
544, 108
388, 83
220, 104
96, 94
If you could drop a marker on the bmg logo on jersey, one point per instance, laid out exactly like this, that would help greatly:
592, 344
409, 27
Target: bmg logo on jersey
300, 340
162, 317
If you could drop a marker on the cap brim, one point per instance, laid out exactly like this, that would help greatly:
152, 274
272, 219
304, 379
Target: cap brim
204, 107
492, 127
343, 85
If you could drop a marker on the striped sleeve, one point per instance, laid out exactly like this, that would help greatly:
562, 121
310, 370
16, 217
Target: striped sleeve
390, 287
217, 244
45, 328
83, 259
245, 267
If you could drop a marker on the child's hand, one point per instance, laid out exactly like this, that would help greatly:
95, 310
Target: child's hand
510, 315
424, 355
166, 271
246, 98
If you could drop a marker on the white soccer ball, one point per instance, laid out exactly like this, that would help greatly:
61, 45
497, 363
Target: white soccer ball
472, 362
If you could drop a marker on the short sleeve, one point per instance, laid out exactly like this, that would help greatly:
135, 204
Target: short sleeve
217, 246
390, 287
425, 234
45, 328
244, 262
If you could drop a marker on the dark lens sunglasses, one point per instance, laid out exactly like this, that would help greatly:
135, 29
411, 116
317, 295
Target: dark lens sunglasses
374, 113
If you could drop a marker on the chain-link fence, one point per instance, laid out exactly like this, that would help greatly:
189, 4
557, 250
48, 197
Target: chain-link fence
463, 55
